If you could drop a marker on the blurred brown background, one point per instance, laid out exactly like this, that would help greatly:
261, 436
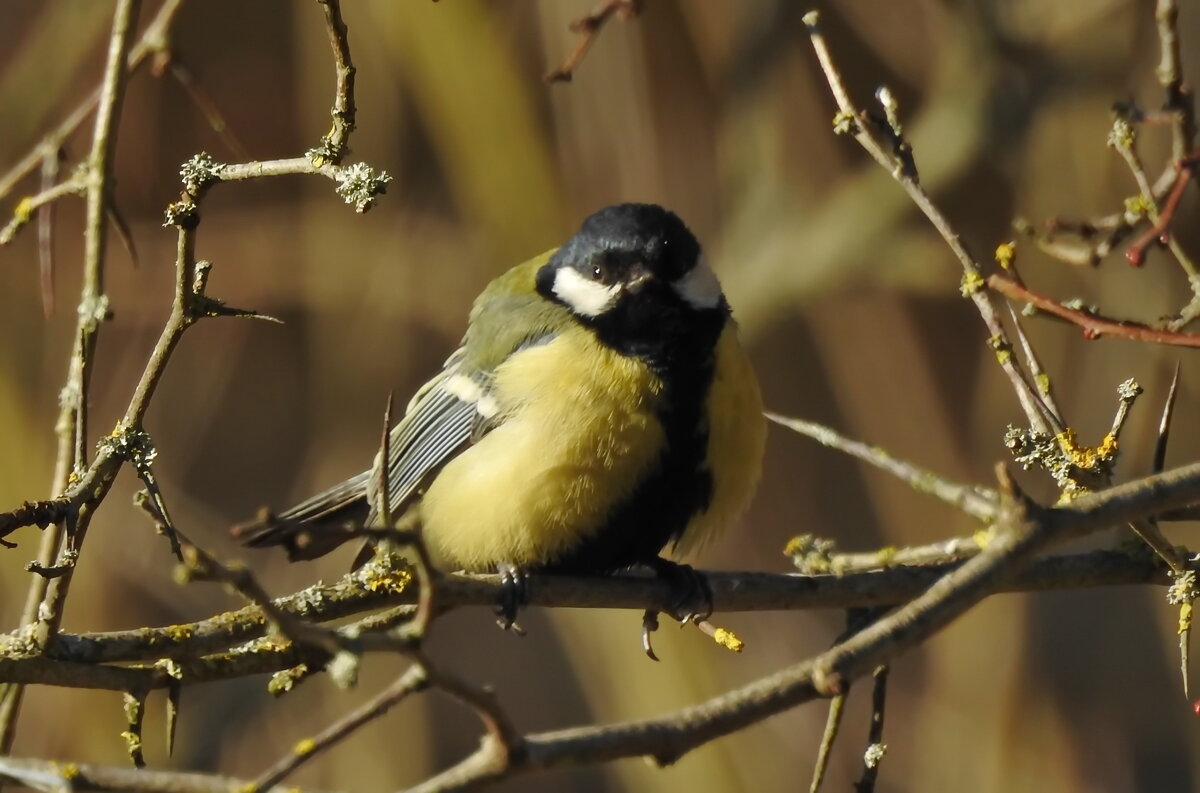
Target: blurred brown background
848, 299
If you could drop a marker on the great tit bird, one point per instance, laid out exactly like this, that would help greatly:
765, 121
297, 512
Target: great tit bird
599, 408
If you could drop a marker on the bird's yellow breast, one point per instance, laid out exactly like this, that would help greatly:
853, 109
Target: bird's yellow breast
578, 432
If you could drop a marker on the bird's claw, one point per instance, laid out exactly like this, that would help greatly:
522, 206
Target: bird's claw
514, 593
692, 599
649, 626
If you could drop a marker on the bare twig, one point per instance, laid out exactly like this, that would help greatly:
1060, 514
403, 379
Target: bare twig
977, 502
1122, 138
170, 62
49, 775
854, 122
410, 682
1094, 326
1111, 229
50, 594
876, 748
28, 206
343, 95
51, 165
1170, 76
588, 27
1159, 231
833, 722
154, 39
1045, 385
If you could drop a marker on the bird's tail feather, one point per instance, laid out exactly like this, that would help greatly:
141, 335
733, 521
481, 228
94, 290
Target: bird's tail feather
315, 526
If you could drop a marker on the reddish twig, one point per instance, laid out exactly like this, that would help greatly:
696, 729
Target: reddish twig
588, 27
1094, 326
1136, 253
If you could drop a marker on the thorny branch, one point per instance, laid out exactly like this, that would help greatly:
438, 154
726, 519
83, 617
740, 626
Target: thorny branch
49, 594
71, 512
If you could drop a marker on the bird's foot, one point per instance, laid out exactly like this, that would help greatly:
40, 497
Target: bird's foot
691, 599
514, 593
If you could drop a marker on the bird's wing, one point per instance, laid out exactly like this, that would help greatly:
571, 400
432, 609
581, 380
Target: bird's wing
439, 422
457, 407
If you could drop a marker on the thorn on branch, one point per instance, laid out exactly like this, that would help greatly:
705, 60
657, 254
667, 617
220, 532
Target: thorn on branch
34, 513
53, 571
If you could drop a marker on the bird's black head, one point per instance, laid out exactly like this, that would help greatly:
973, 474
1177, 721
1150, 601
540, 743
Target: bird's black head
635, 274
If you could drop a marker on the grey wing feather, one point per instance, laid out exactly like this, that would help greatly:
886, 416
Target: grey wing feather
329, 504
437, 425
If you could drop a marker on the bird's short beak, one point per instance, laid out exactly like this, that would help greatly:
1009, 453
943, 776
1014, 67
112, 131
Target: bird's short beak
639, 276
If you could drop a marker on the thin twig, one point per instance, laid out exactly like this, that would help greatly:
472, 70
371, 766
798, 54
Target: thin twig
51, 165
368, 591
343, 95
53, 775
410, 682
1170, 76
851, 120
1045, 385
976, 502
1122, 139
833, 721
72, 423
1094, 326
876, 748
588, 27
171, 63
1159, 231
154, 39
28, 206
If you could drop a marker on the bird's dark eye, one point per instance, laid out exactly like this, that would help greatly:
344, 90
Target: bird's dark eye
597, 272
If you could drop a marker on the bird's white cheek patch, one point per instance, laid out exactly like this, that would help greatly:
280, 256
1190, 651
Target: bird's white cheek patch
699, 288
585, 297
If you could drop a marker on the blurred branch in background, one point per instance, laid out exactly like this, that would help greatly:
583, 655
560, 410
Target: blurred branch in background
913, 589
588, 27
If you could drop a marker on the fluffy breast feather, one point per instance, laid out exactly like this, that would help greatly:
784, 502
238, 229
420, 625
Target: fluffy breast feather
578, 432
